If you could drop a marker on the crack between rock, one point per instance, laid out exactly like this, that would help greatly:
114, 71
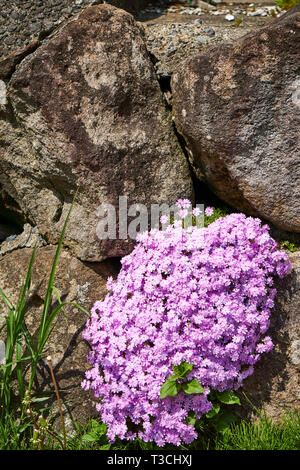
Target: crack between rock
164, 82
11, 68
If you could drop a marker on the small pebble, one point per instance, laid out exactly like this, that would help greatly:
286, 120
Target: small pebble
172, 51
200, 40
14, 15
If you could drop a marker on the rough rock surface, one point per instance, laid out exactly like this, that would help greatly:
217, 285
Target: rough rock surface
237, 107
275, 383
26, 239
86, 110
23, 21
9, 63
76, 282
172, 38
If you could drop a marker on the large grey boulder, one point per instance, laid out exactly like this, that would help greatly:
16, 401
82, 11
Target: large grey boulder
237, 106
85, 110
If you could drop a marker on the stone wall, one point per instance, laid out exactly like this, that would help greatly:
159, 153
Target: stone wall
22, 21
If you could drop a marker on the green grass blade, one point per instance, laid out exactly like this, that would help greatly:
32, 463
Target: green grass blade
13, 342
49, 322
60, 303
6, 300
52, 317
47, 319
51, 278
20, 314
19, 367
10, 320
9, 364
80, 308
20, 310
28, 339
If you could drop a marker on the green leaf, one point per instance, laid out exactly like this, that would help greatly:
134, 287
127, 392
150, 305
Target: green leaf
193, 386
214, 411
191, 418
40, 400
56, 292
105, 447
21, 305
228, 397
200, 426
223, 421
28, 339
99, 428
9, 364
49, 291
42, 422
90, 437
170, 388
6, 300
46, 319
84, 310
19, 366
183, 369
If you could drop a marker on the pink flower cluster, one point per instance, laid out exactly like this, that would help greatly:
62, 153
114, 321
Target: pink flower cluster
203, 296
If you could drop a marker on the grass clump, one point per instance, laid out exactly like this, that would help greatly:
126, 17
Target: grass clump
287, 4
265, 434
19, 346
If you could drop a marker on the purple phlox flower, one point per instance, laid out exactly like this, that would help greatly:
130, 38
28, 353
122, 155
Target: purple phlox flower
204, 297
209, 211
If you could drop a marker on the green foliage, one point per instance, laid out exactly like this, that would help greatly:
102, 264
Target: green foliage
263, 435
220, 418
227, 397
289, 246
214, 411
287, 4
171, 387
97, 435
13, 433
193, 386
183, 369
238, 22
217, 419
18, 339
218, 212
226, 434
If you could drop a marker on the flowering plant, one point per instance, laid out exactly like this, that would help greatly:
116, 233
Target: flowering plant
189, 309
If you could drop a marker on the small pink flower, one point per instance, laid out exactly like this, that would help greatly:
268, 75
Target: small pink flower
183, 203
196, 211
183, 213
164, 219
178, 223
209, 211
